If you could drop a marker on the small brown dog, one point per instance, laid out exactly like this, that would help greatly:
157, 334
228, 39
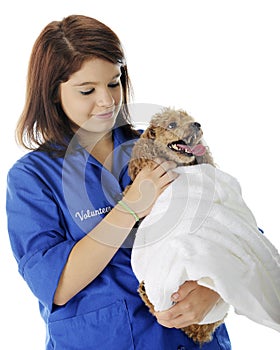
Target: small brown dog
172, 135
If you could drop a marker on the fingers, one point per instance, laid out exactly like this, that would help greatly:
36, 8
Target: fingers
182, 314
178, 321
193, 302
162, 166
183, 291
161, 173
149, 184
177, 316
163, 170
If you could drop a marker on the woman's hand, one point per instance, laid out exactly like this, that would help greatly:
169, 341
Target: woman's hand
193, 302
148, 185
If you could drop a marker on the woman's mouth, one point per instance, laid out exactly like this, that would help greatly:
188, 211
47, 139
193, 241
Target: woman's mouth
106, 115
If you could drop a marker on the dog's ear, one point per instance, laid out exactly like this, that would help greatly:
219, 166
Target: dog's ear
149, 133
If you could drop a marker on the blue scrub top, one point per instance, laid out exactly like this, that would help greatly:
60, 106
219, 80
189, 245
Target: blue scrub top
52, 202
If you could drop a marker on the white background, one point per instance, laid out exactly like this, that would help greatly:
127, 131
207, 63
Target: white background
219, 60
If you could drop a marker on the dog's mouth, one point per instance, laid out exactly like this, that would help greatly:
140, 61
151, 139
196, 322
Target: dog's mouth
181, 147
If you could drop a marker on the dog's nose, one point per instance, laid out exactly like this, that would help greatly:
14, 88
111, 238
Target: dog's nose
196, 126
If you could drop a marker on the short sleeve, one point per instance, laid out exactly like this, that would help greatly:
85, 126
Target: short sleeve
36, 231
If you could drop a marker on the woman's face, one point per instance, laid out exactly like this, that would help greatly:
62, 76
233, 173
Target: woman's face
92, 97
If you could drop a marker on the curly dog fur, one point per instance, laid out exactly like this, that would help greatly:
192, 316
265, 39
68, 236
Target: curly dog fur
158, 140
172, 135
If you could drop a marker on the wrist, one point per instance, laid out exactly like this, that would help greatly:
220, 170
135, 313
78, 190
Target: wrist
140, 204
128, 209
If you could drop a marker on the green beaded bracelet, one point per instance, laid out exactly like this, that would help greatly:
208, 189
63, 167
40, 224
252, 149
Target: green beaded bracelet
129, 210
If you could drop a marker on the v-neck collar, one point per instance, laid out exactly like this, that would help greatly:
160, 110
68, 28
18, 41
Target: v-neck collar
122, 147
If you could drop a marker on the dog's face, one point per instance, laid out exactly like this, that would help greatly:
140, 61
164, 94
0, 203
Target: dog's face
176, 136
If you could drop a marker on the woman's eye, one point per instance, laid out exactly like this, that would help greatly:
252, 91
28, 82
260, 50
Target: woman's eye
113, 85
87, 92
172, 125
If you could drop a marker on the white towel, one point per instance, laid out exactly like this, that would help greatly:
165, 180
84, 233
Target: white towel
201, 229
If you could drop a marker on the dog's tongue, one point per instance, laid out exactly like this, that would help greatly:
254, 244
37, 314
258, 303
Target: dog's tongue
197, 150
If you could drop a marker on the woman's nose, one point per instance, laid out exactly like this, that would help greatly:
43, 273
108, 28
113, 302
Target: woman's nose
105, 98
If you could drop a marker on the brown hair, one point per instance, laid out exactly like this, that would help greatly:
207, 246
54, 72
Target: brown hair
59, 51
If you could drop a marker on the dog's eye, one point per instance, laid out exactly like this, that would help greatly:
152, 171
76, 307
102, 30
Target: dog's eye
172, 125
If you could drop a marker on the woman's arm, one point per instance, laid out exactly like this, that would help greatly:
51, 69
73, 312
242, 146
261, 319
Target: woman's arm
93, 252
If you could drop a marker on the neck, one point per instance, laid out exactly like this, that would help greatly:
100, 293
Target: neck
90, 140
102, 150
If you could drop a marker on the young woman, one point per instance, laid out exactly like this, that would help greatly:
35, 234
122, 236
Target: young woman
70, 227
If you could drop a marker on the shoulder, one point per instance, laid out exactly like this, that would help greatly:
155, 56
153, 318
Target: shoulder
35, 164
36, 158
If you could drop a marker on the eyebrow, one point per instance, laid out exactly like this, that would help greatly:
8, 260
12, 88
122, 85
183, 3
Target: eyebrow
94, 83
